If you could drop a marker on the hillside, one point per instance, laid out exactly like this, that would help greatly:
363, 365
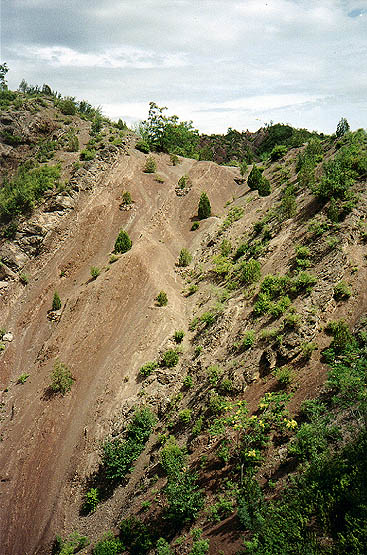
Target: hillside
199, 450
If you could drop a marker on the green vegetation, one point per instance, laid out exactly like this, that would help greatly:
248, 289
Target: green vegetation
61, 378
185, 258
167, 134
119, 455
22, 378
123, 242
342, 291
95, 272
161, 298
204, 208
20, 195
178, 336
56, 301
170, 358
256, 181
195, 226
91, 500
72, 544
148, 368
150, 165
126, 198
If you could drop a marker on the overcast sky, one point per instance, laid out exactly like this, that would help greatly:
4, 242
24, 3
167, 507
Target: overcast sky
220, 63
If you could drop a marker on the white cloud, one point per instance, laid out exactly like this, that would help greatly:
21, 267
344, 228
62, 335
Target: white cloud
111, 58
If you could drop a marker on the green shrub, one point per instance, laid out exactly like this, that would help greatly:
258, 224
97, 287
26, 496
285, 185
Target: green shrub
188, 382
185, 258
249, 272
248, 340
184, 498
61, 378
174, 159
67, 107
95, 272
22, 378
119, 455
109, 545
143, 146
148, 368
264, 188
255, 177
243, 168
163, 547
72, 544
184, 416
23, 278
91, 500
170, 358
278, 152
87, 154
56, 301
285, 376
20, 194
123, 242
200, 547
150, 165
204, 208
195, 226
183, 182
136, 536
113, 258
308, 349
179, 335
126, 198
161, 298
172, 458
342, 127
342, 291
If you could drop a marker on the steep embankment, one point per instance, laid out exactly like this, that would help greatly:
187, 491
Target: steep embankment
108, 328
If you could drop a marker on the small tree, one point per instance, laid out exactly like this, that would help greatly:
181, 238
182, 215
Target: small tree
61, 378
123, 242
3, 71
185, 258
56, 302
243, 168
150, 165
342, 127
255, 178
204, 208
162, 298
264, 187
126, 198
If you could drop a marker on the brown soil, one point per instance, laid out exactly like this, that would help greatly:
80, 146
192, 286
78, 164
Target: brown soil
109, 327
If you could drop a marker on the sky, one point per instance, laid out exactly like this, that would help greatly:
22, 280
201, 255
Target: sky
220, 63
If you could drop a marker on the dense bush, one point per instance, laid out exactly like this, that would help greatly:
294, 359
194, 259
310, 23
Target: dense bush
150, 165
56, 301
204, 208
161, 298
185, 258
20, 195
278, 152
67, 107
170, 358
61, 378
119, 455
123, 242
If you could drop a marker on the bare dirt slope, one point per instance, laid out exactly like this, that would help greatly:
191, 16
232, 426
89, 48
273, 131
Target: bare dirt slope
109, 327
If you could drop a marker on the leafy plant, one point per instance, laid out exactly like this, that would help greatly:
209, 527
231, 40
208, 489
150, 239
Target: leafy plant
170, 358
61, 378
22, 378
95, 272
148, 368
185, 258
91, 500
150, 165
204, 208
342, 291
161, 298
56, 301
178, 336
123, 242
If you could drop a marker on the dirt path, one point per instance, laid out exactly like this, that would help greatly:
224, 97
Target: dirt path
108, 329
